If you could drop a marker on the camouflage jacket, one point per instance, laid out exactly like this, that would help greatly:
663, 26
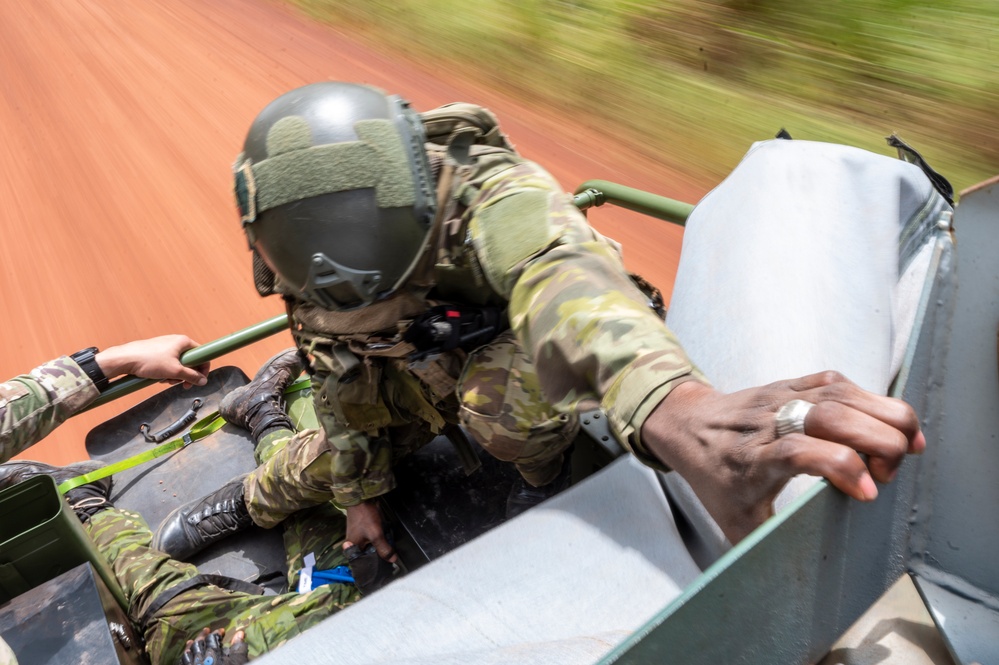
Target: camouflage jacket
34, 404
570, 302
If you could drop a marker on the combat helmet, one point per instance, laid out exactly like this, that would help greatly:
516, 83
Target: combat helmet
335, 193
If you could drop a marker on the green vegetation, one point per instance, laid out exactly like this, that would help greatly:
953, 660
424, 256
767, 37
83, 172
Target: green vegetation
696, 81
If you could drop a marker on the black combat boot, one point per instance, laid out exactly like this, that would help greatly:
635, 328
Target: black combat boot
523, 495
85, 500
196, 525
259, 405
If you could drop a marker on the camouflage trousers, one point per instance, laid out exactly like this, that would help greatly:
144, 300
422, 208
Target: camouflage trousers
501, 405
144, 573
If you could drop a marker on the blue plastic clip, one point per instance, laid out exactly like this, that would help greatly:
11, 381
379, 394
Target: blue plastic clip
340, 574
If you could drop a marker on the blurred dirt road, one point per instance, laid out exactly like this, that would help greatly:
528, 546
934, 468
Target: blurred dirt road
118, 125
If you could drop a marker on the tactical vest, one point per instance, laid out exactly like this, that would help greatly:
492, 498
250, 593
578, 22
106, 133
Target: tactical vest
358, 347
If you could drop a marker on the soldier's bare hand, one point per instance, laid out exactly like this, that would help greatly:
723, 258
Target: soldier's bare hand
364, 526
727, 447
155, 358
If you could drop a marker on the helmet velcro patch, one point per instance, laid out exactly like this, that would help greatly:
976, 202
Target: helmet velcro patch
378, 162
511, 230
395, 186
245, 190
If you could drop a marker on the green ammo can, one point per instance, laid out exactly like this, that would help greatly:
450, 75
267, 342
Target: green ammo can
41, 538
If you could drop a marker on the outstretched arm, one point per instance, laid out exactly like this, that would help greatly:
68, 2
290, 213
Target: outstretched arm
156, 358
34, 404
593, 338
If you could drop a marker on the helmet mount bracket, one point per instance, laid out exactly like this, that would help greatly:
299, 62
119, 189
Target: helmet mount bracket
360, 286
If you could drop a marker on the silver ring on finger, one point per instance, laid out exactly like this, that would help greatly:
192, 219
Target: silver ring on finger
791, 417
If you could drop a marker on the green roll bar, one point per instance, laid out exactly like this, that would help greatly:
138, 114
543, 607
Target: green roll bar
590, 194
597, 192
200, 355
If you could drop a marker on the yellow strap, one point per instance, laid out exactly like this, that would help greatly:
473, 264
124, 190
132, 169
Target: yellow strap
207, 425
201, 429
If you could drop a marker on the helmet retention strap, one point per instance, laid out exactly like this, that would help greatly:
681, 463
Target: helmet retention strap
423, 268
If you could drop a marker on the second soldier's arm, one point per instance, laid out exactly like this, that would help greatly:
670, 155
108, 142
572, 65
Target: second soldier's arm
34, 404
360, 463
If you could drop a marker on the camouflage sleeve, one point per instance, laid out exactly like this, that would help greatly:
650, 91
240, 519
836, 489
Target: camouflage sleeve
32, 405
589, 329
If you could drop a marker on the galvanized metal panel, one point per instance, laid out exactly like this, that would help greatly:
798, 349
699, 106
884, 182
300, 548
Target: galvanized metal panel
967, 619
790, 589
955, 534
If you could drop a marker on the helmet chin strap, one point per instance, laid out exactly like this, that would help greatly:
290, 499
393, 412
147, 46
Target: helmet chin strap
420, 271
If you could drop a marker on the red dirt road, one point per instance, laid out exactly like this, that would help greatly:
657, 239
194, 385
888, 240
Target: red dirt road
118, 124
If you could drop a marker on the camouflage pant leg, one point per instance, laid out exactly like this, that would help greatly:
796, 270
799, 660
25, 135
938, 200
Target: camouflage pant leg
503, 407
144, 573
320, 530
270, 444
295, 477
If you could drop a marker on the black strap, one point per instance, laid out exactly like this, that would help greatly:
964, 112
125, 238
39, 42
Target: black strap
908, 154
221, 581
462, 442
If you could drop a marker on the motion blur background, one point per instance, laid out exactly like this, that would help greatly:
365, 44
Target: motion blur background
119, 123
694, 80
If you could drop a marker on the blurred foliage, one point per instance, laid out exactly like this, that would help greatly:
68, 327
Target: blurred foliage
696, 81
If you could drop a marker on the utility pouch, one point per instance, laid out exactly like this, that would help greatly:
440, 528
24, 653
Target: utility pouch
351, 391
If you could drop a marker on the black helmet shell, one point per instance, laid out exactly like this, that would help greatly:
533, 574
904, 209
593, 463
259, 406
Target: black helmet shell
335, 192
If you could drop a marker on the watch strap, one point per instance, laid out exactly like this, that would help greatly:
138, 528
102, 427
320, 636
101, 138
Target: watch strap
87, 360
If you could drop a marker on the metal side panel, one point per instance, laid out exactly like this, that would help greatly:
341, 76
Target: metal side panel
956, 533
967, 619
72, 618
789, 590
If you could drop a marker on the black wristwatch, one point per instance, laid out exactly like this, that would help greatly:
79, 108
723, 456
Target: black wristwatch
87, 360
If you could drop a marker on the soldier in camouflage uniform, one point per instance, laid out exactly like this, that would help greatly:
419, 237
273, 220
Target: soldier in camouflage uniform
35, 404
367, 218
495, 233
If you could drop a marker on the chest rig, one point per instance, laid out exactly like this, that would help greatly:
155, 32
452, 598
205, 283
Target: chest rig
402, 356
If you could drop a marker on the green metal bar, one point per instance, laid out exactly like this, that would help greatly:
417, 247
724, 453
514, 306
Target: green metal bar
198, 355
590, 193
598, 192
